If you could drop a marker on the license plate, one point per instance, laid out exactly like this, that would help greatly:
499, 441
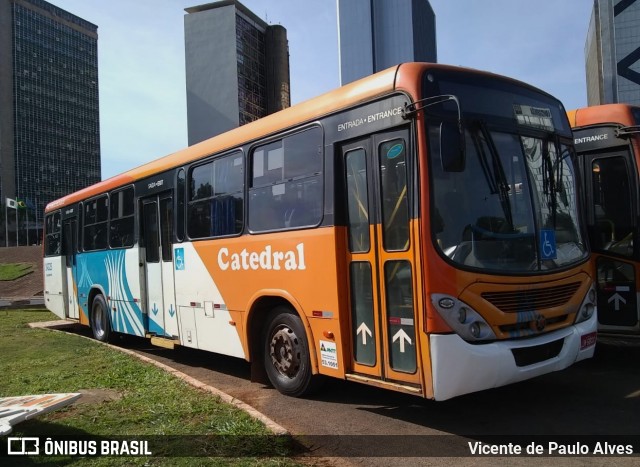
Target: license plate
588, 340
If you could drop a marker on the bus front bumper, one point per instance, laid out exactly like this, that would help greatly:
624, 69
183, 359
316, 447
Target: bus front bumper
460, 368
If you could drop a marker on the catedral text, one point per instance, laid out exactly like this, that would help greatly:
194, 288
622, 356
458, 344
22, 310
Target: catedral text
267, 259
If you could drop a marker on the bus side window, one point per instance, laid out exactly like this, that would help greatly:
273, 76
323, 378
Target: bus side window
180, 205
286, 185
614, 224
52, 245
95, 223
121, 226
215, 205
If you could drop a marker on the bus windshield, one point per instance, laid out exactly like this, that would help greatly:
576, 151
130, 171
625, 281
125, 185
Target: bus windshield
513, 205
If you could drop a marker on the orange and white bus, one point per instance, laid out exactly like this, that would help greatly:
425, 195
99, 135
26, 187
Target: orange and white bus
416, 230
607, 140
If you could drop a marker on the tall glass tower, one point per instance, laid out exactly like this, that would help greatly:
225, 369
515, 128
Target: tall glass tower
237, 68
49, 124
612, 53
376, 34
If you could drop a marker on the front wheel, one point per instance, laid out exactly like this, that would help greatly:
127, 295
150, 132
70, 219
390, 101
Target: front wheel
100, 322
286, 353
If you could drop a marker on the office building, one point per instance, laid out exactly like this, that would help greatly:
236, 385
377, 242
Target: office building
237, 68
612, 52
49, 124
376, 34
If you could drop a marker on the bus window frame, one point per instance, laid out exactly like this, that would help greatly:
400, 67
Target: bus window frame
51, 215
180, 212
84, 204
321, 175
134, 216
628, 155
239, 151
411, 185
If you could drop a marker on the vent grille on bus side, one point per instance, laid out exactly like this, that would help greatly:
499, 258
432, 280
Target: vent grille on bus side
528, 300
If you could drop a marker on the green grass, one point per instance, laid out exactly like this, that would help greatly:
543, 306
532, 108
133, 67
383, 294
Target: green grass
12, 271
150, 402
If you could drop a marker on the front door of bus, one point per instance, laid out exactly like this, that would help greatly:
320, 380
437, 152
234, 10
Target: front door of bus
70, 236
381, 268
611, 191
157, 233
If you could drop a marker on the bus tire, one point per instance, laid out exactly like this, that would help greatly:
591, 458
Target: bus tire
286, 353
100, 322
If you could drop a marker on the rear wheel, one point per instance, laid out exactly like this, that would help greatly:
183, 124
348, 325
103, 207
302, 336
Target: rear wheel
286, 353
100, 322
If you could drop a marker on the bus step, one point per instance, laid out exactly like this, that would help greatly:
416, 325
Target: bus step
162, 342
384, 384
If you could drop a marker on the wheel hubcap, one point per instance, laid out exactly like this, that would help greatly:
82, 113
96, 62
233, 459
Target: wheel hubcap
285, 351
98, 314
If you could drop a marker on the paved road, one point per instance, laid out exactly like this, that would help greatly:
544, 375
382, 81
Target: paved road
587, 402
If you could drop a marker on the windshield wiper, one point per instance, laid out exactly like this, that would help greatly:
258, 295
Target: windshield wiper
548, 182
496, 178
552, 172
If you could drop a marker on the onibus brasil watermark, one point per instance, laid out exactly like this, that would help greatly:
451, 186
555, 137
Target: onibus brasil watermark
34, 446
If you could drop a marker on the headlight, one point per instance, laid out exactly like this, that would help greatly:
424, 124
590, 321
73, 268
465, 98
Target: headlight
463, 319
588, 307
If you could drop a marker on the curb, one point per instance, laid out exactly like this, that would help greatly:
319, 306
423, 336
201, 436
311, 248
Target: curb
277, 429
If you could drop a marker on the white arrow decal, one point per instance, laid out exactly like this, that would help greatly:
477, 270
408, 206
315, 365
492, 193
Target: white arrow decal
364, 329
616, 299
402, 336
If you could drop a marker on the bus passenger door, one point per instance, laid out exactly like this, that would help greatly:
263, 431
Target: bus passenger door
380, 258
70, 236
612, 227
157, 234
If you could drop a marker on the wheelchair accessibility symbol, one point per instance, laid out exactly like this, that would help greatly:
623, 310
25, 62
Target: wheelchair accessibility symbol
548, 244
179, 259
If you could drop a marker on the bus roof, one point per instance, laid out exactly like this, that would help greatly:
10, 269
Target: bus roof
607, 113
400, 77
352, 93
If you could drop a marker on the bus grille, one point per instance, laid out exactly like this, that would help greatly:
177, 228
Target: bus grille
529, 355
524, 328
528, 300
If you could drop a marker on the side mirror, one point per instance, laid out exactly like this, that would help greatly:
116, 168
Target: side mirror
452, 146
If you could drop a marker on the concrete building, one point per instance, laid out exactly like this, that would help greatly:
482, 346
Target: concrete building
376, 34
237, 68
612, 52
49, 120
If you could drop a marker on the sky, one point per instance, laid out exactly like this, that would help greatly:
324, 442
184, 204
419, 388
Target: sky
143, 113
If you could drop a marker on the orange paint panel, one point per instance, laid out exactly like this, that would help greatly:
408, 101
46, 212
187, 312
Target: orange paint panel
318, 328
93, 190
300, 262
298, 266
237, 317
82, 316
83, 319
609, 113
